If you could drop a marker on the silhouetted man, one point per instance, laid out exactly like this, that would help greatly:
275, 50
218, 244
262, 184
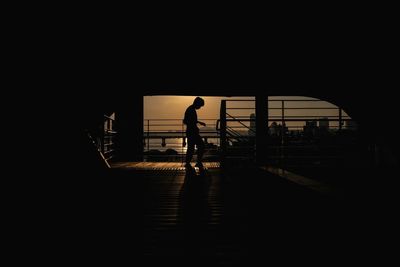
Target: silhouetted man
193, 133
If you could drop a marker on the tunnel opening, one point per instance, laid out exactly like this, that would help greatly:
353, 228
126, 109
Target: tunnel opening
304, 135
316, 137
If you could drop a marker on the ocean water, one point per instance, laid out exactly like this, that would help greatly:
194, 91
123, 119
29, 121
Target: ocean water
175, 144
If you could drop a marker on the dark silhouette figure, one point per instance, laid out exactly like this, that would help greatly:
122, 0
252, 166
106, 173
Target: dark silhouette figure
195, 213
193, 133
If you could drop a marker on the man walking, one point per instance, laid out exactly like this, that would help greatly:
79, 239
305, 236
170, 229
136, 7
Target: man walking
193, 133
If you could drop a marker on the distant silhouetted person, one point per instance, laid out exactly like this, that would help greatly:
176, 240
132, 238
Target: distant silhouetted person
273, 130
193, 133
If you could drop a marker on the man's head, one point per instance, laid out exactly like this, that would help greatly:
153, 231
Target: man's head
198, 102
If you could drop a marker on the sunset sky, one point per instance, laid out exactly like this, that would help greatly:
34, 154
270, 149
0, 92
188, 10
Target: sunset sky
173, 107
165, 113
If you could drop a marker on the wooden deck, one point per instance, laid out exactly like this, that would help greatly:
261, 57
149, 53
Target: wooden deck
159, 165
219, 217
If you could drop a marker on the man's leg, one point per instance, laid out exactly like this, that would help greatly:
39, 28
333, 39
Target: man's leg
190, 149
200, 149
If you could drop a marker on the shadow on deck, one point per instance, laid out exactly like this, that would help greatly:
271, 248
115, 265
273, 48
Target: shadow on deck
230, 217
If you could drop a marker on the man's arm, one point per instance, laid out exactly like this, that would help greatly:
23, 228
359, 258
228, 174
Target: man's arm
201, 123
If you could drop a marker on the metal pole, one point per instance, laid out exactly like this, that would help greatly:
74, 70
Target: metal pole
283, 122
148, 135
223, 141
183, 141
261, 128
282, 134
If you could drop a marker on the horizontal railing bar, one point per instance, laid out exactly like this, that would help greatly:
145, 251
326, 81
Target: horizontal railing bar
285, 108
165, 125
151, 152
296, 100
175, 124
242, 108
239, 120
179, 151
163, 150
305, 157
276, 100
308, 147
246, 118
275, 118
174, 137
177, 137
162, 155
175, 119
239, 100
176, 133
307, 116
177, 146
204, 134
306, 119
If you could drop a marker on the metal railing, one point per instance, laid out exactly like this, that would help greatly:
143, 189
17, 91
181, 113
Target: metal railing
308, 139
103, 136
108, 139
237, 131
165, 140
300, 132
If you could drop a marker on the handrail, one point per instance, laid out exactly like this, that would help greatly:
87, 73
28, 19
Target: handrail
281, 136
174, 130
234, 133
277, 100
107, 138
241, 123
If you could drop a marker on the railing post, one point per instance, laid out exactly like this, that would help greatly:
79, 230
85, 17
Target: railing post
183, 142
148, 135
282, 121
340, 119
261, 128
282, 154
223, 141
